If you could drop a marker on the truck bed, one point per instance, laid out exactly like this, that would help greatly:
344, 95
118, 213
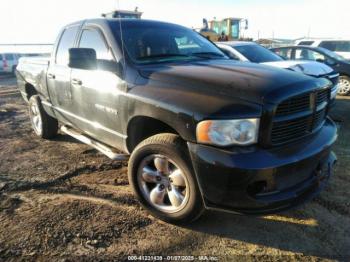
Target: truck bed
31, 71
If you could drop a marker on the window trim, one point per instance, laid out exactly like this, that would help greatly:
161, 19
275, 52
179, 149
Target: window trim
103, 37
60, 39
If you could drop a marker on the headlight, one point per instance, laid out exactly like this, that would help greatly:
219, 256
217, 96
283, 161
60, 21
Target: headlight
228, 132
334, 91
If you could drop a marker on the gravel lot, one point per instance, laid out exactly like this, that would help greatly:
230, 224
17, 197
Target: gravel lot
61, 200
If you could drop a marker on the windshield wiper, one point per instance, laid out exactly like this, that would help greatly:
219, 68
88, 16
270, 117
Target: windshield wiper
160, 56
207, 54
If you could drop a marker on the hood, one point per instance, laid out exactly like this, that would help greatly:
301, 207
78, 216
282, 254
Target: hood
246, 81
310, 68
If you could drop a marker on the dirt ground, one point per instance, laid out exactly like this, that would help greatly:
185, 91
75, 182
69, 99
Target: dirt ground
63, 201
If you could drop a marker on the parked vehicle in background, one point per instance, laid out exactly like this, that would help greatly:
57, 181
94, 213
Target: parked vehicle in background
8, 62
253, 52
322, 55
341, 47
203, 131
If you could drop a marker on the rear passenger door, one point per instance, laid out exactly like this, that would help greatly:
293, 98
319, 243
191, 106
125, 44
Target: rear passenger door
97, 90
58, 77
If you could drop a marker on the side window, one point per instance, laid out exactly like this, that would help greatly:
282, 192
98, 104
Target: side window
92, 38
66, 42
286, 53
306, 43
330, 45
306, 54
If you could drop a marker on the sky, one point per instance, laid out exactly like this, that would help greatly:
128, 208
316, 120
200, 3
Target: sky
39, 21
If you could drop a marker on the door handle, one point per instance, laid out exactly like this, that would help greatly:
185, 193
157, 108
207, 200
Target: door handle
77, 82
51, 76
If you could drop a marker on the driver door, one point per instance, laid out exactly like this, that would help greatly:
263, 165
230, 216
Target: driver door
97, 91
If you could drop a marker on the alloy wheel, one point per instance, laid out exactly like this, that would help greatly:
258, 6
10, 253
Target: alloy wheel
344, 86
36, 118
163, 183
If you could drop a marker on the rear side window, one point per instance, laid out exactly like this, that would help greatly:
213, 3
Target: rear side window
1, 57
306, 43
66, 42
286, 53
92, 38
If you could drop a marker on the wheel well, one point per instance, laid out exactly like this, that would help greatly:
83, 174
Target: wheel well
30, 90
142, 127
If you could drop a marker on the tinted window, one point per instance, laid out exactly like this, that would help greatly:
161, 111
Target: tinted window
338, 46
306, 43
66, 42
286, 53
0, 56
306, 54
257, 53
157, 42
92, 38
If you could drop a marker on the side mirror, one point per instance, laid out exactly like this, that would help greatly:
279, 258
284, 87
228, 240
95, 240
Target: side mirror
110, 66
331, 62
82, 58
320, 60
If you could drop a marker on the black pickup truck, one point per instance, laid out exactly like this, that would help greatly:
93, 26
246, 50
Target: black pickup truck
202, 131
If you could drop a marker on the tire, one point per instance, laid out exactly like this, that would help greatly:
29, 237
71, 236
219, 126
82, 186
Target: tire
344, 85
165, 157
43, 125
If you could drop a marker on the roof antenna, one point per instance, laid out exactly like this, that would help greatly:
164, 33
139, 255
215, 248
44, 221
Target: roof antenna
121, 33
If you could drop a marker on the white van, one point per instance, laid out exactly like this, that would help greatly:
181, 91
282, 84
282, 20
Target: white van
341, 47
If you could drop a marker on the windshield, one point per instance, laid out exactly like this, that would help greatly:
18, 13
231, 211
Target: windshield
257, 53
152, 42
332, 54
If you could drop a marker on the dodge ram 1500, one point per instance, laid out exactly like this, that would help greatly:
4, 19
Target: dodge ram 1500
200, 131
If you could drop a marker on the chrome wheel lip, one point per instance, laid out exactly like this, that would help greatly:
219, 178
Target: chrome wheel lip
147, 187
35, 118
344, 86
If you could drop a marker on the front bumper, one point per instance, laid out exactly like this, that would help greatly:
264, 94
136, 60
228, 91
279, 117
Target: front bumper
254, 180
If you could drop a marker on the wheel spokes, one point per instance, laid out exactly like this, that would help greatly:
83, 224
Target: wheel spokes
161, 164
175, 197
176, 178
149, 175
157, 195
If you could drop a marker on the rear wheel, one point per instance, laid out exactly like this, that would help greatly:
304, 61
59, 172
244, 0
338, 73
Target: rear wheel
344, 85
163, 179
43, 125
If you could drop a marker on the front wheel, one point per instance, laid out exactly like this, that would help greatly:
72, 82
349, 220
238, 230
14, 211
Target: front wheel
344, 85
163, 179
